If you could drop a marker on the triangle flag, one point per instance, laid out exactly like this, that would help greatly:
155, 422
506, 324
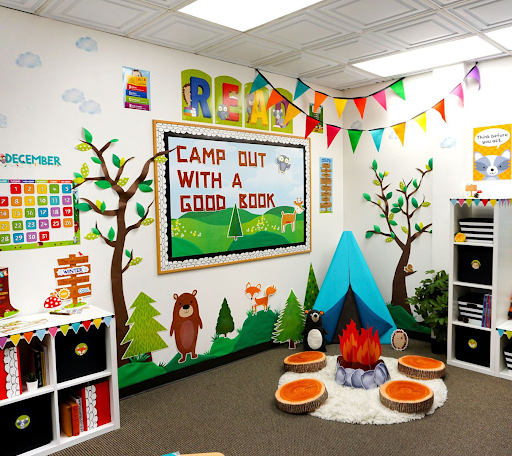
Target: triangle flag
319, 99
291, 112
381, 98
259, 82
311, 123
15, 338
400, 131
97, 322
40, 333
461, 202
76, 326
274, 98
422, 121
493, 202
340, 104
439, 107
64, 329
87, 324
475, 74
377, 137
28, 336
360, 105
477, 201
354, 136
454, 202
332, 131
500, 332
509, 334
469, 201
53, 330
398, 88
3, 341
484, 202
459, 92
107, 320
300, 88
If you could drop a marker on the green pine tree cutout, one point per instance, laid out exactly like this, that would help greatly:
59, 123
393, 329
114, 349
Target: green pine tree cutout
311, 290
290, 324
225, 323
235, 227
143, 332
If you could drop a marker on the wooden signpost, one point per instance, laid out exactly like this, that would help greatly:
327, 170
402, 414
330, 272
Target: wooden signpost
326, 185
73, 278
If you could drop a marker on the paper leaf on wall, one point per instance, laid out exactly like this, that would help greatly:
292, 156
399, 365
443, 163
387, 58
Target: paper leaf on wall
340, 106
83, 147
127, 253
122, 182
140, 210
91, 236
135, 261
148, 221
79, 180
96, 160
145, 188
114, 140
87, 136
84, 170
103, 184
111, 234
84, 207
161, 159
116, 161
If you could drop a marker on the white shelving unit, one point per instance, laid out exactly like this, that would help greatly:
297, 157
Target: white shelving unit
501, 287
60, 440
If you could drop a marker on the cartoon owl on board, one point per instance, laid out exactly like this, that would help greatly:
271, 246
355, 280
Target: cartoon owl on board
283, 163
222, 113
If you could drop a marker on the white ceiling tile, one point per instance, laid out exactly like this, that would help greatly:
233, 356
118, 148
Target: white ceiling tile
339, 77
302, 30
184, 33
246, 50
29, 6
297, 64
353, 49
114, 16
365, 14
448, 2
421, 31
486, 14
168, 3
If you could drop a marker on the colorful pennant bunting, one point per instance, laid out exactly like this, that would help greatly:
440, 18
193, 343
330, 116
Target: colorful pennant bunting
377, 137
87, 324
97, 322
509, 334
453, 201
354, 136
64, 329
274, 98
340, 104
40, 333
291, 112
311, 123
332, 131
493, 202
319, 99
53, 331
360, 105
259, 82
3, 341
28, 336
421, 120
76, 327
484, 202
15, 338
475, 74
459, 93
400, 131
477, 201
300, 89
500, 332
439, 107
381, 98
469, 201
107, 320
398, 88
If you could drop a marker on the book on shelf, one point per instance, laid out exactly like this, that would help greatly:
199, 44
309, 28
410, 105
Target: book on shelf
75, 420
78, 401
10, 378
66, 424
487, 308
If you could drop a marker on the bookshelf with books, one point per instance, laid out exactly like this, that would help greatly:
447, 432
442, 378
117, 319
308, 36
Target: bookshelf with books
480, 286
73, 358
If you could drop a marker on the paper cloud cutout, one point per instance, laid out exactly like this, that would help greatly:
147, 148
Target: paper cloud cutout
90, 107
3, 121
28, 60
448, 143
73, 96
87, 44
393, 135
357, 125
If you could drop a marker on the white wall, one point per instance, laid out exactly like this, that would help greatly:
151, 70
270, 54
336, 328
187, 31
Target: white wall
39, 121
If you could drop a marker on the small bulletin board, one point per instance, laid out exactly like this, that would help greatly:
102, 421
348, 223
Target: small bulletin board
227, 196
37, 213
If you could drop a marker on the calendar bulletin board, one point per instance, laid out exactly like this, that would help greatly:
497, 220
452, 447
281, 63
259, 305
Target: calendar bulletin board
37, 213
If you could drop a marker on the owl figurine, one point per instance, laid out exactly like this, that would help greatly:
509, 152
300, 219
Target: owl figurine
222, 113
283, 163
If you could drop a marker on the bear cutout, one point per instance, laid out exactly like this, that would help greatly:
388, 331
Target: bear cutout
314, 331
185, 324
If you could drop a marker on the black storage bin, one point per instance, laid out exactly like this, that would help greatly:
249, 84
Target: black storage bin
475, 265
26, 425
507, 351
473, 345
80, 354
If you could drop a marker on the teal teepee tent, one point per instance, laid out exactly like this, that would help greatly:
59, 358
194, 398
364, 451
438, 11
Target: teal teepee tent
349, 269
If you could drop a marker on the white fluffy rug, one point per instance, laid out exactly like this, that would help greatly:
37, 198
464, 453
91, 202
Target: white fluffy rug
359, 406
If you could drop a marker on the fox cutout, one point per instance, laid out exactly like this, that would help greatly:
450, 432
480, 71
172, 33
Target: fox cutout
491, 166
252, 291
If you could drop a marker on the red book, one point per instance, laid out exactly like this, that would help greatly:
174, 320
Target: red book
96, 405
75, 417
10, 378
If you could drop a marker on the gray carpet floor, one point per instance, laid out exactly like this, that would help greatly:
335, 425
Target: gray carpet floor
231, 410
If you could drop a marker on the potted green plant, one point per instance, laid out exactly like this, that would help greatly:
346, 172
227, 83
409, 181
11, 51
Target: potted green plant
431, 303
31, 381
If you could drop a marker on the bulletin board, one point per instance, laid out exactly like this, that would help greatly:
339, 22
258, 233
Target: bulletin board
226, 196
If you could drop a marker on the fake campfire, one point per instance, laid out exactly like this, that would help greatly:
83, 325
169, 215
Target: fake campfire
359, 365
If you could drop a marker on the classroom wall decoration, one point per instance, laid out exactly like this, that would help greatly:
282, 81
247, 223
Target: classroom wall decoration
408, 206
491, 152
37, 213
73, 277
325, 185
6, 308
228, 196
317, 113
196, 96
137, 91
256, 112
278, 111
228, 101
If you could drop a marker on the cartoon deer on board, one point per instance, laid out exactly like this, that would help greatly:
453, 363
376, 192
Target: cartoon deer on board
289, 219
252, 291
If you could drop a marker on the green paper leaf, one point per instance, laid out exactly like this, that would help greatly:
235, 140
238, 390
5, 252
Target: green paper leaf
148, 182
116, 161
91, 236
381, 175
161, 159
103, 184
77, 175
392, 235
374, 165
87, 136
79, 180
414, 202
376, 182
145, 188
83, 147
140, 210
127, 253
96, 160
84, 207
114, 140
425, 204
405, 230
122, 182
431, 163
391, 216
417, 227
148, 221
395, 204
376, 228
400, 201
95, 231
368, 234
402, 185
393, 223
84, 170
103, 206
405, 188
395, 210
382, 215
389, 239
415, 183
111, 234
389, 195
367, 197
135, 261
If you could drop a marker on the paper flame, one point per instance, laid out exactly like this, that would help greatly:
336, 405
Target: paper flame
362, 348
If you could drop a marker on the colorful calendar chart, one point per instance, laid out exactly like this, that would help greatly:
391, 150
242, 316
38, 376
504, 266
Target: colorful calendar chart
136, 89
37, 213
